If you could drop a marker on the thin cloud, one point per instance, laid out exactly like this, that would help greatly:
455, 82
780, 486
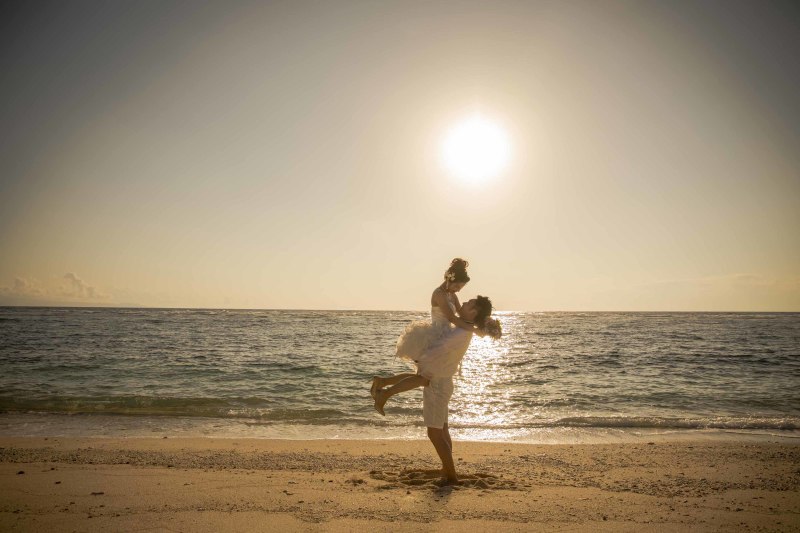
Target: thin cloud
70, 288
728, 280
23, 287
75, 287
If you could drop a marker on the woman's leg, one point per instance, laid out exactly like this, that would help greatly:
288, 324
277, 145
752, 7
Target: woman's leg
379, 382
410, 381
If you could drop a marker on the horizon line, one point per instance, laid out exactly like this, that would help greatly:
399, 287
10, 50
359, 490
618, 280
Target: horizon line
375, 310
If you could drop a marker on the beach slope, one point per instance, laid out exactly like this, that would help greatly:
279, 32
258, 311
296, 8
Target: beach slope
87, 484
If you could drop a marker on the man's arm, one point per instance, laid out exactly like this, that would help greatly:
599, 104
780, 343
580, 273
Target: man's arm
441, 302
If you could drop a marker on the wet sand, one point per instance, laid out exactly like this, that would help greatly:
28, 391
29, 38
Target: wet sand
103, 484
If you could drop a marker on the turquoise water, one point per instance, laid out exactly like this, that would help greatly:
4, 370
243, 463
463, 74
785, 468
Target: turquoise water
306, 374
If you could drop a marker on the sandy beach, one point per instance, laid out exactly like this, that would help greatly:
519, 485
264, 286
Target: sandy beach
93, 484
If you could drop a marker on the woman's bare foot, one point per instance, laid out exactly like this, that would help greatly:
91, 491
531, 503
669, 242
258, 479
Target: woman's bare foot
377, 383
380, 400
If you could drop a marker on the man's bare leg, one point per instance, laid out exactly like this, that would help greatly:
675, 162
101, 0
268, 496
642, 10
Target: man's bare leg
447, 438
445, 452
446, 431
412, 381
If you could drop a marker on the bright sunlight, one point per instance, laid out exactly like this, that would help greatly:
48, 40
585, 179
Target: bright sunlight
476, 149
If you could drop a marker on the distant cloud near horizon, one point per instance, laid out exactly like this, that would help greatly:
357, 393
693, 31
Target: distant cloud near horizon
23, 287
731, 292
733, 280
77, 288
687, 294
72, 289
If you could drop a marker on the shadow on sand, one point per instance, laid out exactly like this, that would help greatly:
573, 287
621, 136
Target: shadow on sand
432, 479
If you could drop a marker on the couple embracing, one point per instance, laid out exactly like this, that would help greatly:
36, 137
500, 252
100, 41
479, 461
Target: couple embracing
436, 349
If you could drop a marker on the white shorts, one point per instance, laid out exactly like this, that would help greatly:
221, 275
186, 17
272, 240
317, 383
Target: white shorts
435, 401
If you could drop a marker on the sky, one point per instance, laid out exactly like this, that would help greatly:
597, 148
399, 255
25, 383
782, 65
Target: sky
289, 154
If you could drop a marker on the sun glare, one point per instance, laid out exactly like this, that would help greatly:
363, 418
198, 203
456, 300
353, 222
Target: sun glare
476, 149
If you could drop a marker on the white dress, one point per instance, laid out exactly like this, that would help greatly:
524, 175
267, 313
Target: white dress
436, 347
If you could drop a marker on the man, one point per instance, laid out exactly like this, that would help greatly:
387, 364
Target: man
435, 370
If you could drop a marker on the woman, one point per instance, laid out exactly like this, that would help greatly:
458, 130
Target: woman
419, 335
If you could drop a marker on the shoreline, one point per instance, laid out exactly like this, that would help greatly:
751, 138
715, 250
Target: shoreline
79, 425
205, 484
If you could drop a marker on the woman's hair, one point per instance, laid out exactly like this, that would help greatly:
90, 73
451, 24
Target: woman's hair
457, 273
490, 326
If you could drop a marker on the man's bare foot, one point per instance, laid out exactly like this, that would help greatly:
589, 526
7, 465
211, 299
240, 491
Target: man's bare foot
449, 479
449, 482
380, 400
377, 383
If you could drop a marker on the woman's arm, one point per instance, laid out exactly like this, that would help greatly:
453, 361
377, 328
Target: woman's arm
440, 299
458, 304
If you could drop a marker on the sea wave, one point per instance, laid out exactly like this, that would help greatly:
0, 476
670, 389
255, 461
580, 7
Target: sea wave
259, 410
782, 423
244, 407
313, 369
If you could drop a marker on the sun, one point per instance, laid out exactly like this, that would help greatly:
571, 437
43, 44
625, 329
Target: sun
476, 149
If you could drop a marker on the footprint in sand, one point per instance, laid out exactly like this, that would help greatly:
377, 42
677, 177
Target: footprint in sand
432, 479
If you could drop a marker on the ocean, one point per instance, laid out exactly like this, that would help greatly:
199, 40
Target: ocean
554, 377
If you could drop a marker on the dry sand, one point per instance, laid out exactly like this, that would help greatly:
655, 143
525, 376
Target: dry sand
84, 484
